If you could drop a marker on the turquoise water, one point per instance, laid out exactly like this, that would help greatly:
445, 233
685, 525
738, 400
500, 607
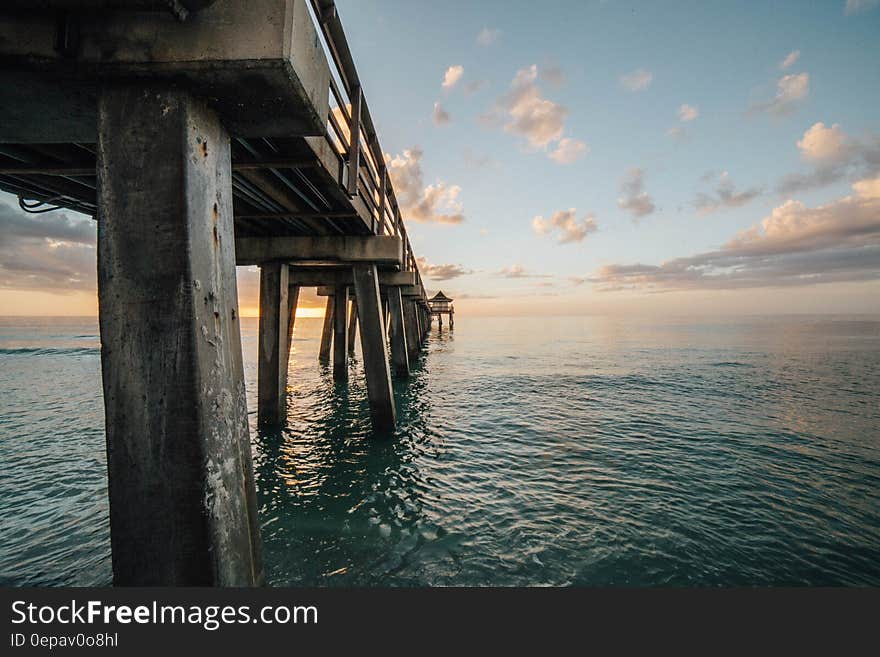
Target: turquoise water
581, 451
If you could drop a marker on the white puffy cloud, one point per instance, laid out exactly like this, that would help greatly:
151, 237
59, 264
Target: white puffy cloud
794, 245
637, 80
790, 59
834, 156
526, 112
568, 150
820, 143
566, 222
634, 199
437, 202
688, 113
538, 119
440, 116
453, 74
488, 36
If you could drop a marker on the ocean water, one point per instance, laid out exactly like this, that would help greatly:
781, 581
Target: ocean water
531, 451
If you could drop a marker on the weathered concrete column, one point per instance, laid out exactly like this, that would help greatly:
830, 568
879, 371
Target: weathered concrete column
273, 336
340, 333
411, 326
352, 326
420, 334
292, 301
379, 391
327, 332
399, 355
182, 497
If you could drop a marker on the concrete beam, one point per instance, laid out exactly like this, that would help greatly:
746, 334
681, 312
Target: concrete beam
331, 277
376, 249
180, 478
413, 291
269, 47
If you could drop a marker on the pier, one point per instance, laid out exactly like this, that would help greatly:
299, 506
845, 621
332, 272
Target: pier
203, 135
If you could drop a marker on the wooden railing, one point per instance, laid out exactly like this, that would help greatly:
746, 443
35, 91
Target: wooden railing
352, 134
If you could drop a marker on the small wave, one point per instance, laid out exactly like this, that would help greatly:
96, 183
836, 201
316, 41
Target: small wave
51, 351
730, 363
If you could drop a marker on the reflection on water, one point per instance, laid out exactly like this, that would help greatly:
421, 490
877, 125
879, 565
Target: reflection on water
530, 451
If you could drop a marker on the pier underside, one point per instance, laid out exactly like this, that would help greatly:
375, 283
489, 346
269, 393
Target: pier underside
237, 136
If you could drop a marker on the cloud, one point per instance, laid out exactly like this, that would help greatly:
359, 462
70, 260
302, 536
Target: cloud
790, 89
487, 36
858, 6
790, 59
539, 120
518, 271
453, 74
835, 156
473, 86
634, 199
553, 75
793, 246
823, 144
441, 272
637, 80
435, 203
688, 113
724, 196
566, 222
568, 150
676, 132
52, 252
440, 116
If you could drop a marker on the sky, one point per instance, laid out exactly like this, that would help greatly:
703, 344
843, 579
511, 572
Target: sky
596, 157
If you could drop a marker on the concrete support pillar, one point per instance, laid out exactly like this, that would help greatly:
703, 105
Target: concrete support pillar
379, 391
352, 325
327, 332
273, 336
292, 301
340, 333
411, 326
399, 352
182, 496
